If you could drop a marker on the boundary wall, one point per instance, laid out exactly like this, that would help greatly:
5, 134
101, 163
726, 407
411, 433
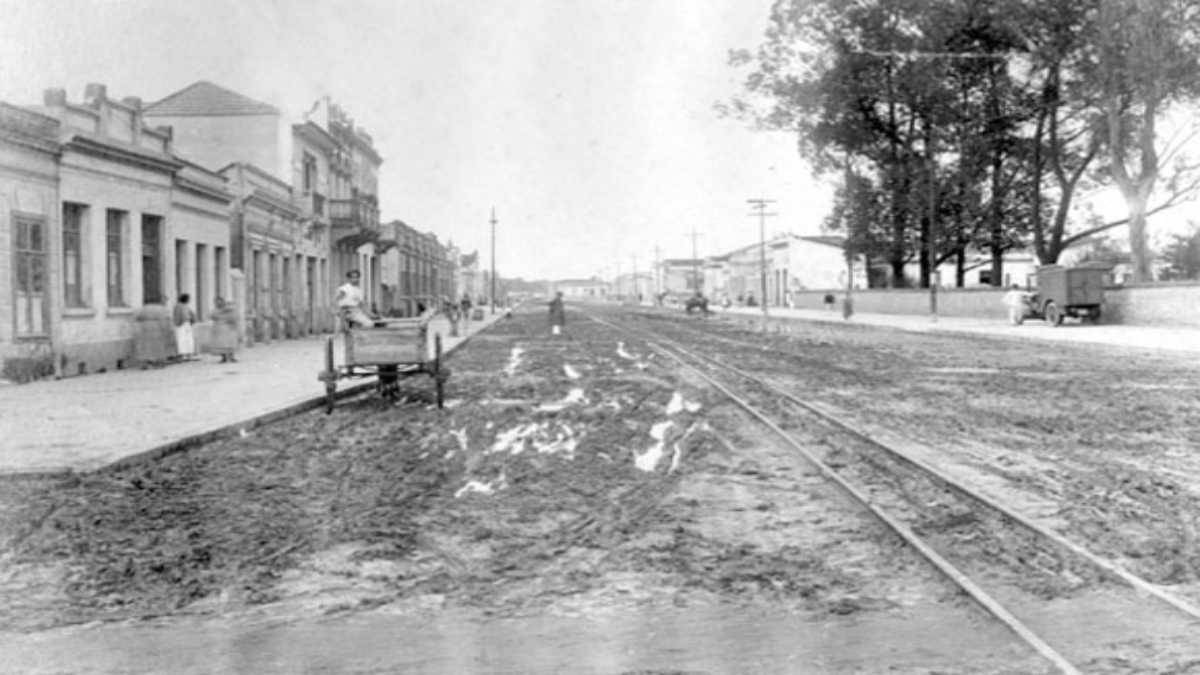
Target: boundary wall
1175, 305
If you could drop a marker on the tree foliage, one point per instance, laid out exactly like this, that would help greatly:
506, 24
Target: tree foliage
972, 125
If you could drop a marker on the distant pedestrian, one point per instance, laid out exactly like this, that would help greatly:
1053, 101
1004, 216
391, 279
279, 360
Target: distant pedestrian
558, 314
185, 333
153, 335
1017, 302
225, 332
830, 301
847, 307
465, 305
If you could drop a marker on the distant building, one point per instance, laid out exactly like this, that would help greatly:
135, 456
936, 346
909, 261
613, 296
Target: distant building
788, 264
593, 288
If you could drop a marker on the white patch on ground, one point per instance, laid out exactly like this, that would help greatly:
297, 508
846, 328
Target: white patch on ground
676, 404
575, 396
474, 486
624, 354
514, 361
648, 460
571, 372
537, 436
461, 436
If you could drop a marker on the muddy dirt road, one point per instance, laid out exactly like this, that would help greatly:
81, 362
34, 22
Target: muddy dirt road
583, 507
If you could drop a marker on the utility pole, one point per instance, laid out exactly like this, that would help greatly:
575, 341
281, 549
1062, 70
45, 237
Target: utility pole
657, 273
695, 260
493, 260
760, 205
637, 291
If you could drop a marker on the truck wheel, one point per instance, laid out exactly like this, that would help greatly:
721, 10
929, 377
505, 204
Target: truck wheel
1053, 314
1096, 315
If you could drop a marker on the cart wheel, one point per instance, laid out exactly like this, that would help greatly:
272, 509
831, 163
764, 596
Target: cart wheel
1053, 314
330, 376
439, 374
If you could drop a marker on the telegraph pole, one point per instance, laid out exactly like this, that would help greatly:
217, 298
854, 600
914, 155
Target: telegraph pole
657, 274
695, 260
636, 286
493, 260
760, 206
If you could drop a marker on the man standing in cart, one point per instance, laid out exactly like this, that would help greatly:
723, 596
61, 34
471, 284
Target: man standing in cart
350, 300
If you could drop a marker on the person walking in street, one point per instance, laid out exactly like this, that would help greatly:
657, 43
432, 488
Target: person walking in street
558, 314
185, 333
153, 335
350, 300
225, 332
1017, 302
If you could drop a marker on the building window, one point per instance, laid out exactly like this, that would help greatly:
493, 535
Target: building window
73, 238
30, 262
115, 257
309, 176
219, 271
181, 266
152, 273
200, 297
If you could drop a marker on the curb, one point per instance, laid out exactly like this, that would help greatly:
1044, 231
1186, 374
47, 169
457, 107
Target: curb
192, 441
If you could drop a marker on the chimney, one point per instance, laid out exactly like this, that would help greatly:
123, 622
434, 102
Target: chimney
54, 98
94, 94
133, 102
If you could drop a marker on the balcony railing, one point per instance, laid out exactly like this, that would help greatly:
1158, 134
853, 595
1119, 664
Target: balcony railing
354, 213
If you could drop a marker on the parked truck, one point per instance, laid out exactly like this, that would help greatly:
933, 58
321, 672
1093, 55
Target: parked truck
1057, 292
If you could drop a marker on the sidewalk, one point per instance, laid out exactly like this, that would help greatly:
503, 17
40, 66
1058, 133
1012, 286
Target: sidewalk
86, 423
1146, 338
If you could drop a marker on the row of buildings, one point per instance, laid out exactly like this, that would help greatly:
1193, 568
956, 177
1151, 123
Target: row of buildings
107, 205
784, 265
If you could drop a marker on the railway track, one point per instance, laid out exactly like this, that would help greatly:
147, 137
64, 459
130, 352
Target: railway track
1013, 568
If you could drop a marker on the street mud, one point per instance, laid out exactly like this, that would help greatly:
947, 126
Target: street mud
581, 490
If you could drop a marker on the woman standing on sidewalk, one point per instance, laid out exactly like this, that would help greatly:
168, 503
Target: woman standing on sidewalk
185, 335
225, 334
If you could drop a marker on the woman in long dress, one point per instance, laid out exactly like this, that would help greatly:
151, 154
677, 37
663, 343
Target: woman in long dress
224, 332
185, 335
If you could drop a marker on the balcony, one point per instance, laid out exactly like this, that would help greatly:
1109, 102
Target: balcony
312, 203
355, 221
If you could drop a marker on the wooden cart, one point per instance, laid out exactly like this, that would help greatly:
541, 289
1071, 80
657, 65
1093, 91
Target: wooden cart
397, 348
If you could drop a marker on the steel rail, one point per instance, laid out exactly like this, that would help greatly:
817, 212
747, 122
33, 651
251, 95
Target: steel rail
956, 576
948, 569
1105, 566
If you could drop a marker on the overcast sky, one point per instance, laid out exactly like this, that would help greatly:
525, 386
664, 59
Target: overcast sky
587, 124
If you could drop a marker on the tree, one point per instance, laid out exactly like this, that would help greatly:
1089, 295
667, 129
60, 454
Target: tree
1147, 57
1183, 255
